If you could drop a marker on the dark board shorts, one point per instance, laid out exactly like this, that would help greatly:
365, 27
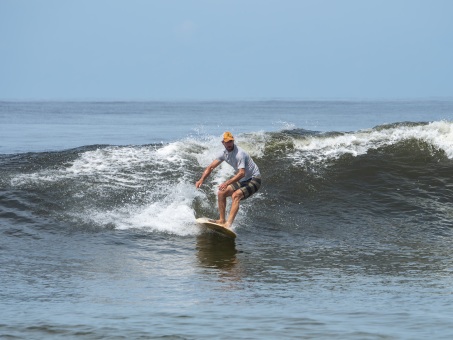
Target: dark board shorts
248, 187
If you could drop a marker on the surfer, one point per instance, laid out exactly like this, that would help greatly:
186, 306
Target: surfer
245, 182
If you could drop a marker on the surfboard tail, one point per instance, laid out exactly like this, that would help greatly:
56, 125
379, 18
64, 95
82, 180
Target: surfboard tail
207, 222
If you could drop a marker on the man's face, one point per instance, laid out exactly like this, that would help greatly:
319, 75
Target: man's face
229, 145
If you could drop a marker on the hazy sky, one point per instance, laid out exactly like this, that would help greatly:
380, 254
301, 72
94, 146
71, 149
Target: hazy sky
225, 49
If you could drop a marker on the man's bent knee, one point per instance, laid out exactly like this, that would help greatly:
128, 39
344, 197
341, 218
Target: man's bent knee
225, 193
237, 195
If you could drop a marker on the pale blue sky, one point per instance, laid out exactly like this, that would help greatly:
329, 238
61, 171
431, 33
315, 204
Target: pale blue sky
225, 49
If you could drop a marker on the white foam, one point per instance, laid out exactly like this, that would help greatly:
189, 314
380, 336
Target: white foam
319, 148
253, 143
172, 215
440, 134
158, 175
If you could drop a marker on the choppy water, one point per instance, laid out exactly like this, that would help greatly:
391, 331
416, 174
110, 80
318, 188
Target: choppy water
350, 236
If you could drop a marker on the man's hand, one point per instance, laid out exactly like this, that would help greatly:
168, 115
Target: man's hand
223, 186
198, 183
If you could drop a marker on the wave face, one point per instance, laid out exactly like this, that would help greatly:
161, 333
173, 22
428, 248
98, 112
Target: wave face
389, 181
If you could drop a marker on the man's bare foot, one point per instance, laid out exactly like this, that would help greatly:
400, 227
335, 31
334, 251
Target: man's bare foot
227, 225
221, 222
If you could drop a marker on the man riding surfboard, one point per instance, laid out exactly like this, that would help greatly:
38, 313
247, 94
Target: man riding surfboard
245, 182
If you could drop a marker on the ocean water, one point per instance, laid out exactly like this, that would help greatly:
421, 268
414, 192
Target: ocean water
350, 236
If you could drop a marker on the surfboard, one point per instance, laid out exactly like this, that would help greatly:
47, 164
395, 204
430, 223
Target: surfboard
208, 223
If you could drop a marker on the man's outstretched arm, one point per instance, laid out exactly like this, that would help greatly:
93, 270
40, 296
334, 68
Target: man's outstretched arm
207, 172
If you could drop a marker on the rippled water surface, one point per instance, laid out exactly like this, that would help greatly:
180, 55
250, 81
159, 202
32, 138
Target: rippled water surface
350, 236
